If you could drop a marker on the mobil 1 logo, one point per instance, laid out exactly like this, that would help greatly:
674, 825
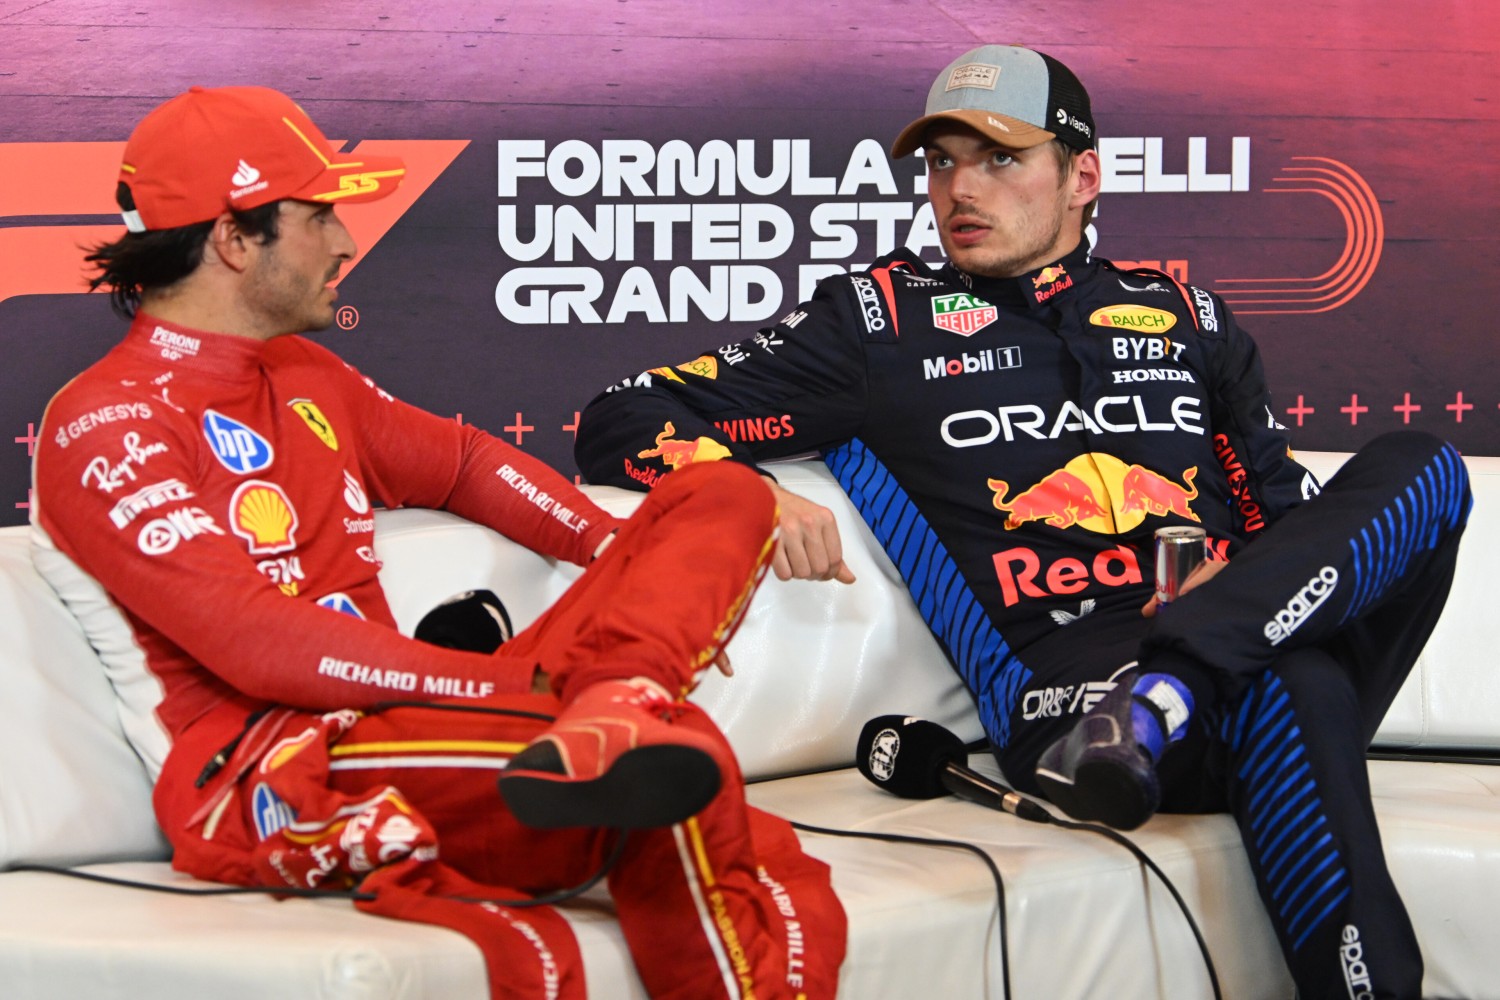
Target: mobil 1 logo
988, 360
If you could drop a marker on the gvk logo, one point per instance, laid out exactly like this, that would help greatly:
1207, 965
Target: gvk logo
60, 195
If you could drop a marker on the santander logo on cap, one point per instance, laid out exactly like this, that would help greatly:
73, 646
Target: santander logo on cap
245, 175
246, 180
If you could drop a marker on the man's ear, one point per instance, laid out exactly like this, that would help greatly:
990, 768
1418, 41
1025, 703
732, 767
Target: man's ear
228, 243
1086, 178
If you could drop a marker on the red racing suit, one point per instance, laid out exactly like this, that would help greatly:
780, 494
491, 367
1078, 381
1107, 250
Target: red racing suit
219, 490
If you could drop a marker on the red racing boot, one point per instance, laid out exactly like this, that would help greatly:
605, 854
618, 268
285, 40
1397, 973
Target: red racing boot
615, 759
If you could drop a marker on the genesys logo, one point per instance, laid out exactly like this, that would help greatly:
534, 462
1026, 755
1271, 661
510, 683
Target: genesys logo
68, 180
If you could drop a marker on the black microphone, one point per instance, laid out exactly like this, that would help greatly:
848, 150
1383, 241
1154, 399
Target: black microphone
474, 620
918, 759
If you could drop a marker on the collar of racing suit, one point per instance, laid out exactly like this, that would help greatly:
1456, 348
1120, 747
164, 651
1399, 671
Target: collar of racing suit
1031, 290
215, 354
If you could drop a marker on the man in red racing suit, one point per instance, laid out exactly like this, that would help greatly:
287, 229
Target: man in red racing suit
203, 501
1014, 426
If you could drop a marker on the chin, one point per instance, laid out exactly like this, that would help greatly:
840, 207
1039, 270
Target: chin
983, 265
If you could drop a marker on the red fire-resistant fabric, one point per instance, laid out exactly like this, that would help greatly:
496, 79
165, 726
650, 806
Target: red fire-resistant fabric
724, 904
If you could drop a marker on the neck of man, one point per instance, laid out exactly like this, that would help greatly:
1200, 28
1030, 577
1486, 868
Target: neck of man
200, 303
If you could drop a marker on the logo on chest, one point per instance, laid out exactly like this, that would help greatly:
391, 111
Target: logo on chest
263, 515
962, 314
236, 446
316, 421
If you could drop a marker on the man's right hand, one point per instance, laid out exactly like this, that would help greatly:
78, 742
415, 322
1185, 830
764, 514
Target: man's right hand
810, 548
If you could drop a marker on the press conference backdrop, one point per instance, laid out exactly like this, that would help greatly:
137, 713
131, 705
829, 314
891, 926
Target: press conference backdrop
603, 186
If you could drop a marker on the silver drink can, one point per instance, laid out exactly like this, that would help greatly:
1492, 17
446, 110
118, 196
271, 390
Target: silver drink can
1179, 550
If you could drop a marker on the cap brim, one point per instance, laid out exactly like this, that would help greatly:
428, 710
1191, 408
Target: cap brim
364, 179
1005, 130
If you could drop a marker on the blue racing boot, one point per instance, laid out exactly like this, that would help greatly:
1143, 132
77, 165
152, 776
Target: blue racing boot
1105, 769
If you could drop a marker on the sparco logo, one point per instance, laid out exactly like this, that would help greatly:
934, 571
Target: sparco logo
1356, 972
1307, 600
869, 300
1206, 314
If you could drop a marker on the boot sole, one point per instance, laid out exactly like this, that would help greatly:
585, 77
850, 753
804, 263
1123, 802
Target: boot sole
646, 787
1103, 791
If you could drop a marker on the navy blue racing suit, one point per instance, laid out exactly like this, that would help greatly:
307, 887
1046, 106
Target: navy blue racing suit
1014, 444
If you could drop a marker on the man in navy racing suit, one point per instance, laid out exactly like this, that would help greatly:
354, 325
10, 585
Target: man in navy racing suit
1014, 426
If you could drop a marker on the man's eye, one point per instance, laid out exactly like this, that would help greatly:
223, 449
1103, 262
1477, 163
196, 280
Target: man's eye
1002, 159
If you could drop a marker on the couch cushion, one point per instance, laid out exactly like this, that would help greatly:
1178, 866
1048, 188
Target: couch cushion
1083, 919
71, 789
813, 661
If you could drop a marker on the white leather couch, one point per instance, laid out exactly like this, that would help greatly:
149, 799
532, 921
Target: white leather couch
813, 663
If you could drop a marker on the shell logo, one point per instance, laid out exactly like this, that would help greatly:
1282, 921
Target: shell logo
261, 514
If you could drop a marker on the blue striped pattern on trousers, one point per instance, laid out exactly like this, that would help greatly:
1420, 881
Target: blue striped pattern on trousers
983, 658
1435, 504
1289, 834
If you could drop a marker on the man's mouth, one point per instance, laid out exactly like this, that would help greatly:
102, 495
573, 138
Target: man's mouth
967, 231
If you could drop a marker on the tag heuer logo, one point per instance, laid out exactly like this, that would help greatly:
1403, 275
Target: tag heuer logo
962, 314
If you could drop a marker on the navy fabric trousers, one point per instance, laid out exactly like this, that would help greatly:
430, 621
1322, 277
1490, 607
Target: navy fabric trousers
1294, 652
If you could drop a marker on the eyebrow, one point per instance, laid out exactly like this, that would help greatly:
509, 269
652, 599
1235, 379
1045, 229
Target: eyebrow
990, 146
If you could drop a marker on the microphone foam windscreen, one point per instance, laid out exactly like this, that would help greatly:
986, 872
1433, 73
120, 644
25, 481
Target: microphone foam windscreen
905, 756
474, 620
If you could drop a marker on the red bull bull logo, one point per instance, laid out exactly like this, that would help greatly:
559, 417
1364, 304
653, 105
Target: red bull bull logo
1049, 281
1144, 490
1060, 499
1096, 492
675, 452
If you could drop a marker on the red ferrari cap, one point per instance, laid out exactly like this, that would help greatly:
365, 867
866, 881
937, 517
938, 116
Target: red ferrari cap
210, 150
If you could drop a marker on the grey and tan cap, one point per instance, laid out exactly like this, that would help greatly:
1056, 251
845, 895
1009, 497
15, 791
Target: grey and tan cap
1017, 97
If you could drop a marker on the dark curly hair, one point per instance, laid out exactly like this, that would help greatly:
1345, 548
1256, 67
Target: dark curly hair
138, 263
